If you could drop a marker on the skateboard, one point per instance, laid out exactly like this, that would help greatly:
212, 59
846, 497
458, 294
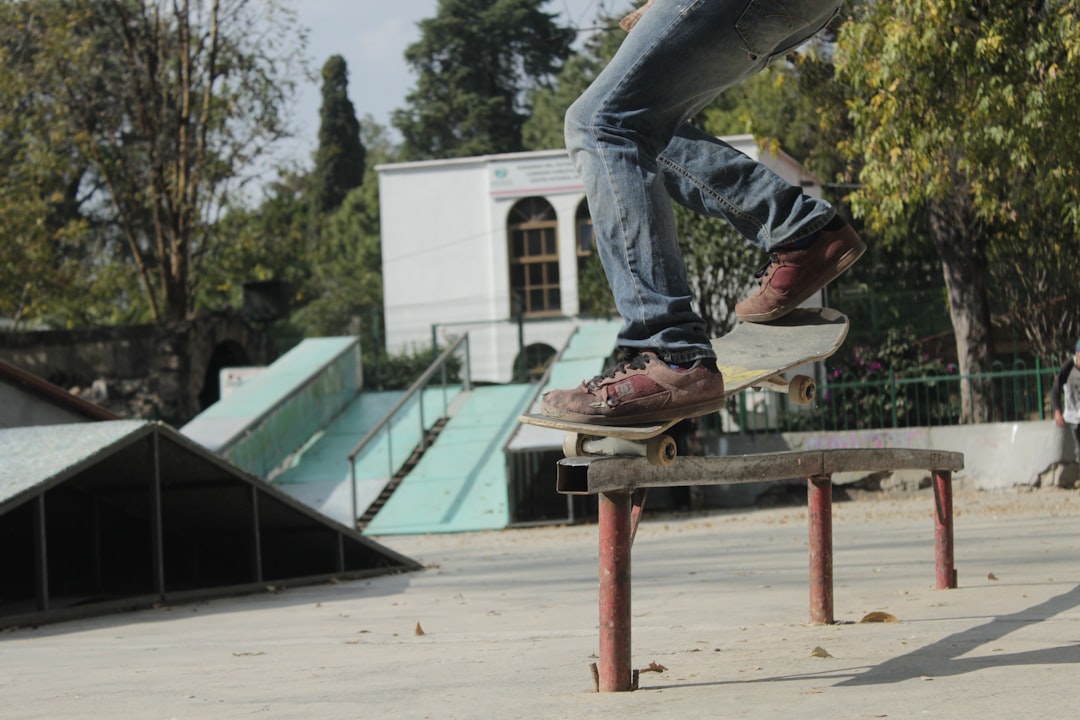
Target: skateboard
753, 355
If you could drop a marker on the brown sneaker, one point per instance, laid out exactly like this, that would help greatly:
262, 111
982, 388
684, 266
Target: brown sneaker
644, 389
794, 275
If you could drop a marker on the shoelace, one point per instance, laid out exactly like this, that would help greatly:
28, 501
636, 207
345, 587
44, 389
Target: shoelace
762, 271
638, 362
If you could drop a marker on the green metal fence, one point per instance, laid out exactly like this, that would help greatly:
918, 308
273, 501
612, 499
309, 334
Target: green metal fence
888, 401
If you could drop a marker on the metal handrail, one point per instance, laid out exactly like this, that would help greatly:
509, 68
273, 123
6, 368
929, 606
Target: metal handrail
439, 364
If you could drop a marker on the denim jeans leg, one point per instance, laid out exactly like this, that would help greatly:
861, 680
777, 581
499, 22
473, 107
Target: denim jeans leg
708, 176
627, 139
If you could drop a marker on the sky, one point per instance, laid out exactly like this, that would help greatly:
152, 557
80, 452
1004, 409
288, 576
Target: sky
372, 36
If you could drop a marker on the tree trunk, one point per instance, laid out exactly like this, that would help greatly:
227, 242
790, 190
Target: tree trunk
960, 239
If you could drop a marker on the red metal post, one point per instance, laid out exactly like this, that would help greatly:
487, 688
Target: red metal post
943, 530
819, 501
616, 534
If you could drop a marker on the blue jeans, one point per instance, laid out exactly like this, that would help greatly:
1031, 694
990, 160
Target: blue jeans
629, 139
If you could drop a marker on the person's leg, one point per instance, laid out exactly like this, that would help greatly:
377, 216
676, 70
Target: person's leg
710, 177
622, 135
679, 57
1076, 441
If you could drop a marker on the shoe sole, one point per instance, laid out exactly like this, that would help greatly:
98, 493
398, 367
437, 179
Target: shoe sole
846, 261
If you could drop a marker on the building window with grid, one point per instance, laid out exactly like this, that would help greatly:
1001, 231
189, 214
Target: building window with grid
534, 258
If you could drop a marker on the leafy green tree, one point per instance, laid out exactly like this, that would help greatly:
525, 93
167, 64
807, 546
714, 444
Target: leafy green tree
475, 62
339, 159
595, 298
954, 103
266, 242
1036, 280
346, 280
720, 265
158, 110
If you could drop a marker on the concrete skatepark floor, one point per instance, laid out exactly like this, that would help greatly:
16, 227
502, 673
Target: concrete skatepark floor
503, 625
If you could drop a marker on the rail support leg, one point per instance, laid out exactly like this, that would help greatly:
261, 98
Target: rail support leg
819, 501
943, 530
616, 536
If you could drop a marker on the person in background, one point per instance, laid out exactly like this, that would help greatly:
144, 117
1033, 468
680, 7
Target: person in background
1065, 397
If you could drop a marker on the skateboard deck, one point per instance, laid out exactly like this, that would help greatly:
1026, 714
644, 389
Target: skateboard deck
753, 355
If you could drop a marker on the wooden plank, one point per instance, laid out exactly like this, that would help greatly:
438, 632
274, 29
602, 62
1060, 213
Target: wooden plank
887, 459
595, 474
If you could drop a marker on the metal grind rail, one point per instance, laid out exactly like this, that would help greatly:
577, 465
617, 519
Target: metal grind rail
622, 483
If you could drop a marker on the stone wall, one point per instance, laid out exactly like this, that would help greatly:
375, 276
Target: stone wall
167, 372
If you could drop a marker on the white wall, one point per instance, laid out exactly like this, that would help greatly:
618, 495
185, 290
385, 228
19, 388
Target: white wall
446, 256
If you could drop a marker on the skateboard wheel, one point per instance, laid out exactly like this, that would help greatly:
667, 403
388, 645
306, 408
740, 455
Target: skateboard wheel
802, 390
572, 445
661, 450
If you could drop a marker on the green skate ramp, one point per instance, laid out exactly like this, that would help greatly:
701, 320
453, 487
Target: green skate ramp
264, 421
584, 357
460, 483
319, 475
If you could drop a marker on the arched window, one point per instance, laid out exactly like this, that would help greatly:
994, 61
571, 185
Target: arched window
534, 257
533, 362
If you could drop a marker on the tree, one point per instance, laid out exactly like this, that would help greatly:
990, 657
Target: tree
475, 62
266, 242
159, 109
345, 280
953, 103
339, 159
719, 264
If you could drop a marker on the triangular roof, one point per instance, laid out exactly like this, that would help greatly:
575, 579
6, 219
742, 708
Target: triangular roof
117, 515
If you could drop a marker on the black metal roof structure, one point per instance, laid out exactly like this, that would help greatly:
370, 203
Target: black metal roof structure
118, 515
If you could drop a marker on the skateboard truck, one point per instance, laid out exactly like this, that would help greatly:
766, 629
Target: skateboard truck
659, 450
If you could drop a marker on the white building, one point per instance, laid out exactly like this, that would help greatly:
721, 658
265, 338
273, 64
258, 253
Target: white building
464, 241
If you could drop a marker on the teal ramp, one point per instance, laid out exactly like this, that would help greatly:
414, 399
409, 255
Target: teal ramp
319, 474
261, 423
584, 355
583, 358
460, 483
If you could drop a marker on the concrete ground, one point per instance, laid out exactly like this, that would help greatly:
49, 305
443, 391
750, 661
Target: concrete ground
508, 622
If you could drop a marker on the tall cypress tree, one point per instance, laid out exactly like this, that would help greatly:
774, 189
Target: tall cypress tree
339, 160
